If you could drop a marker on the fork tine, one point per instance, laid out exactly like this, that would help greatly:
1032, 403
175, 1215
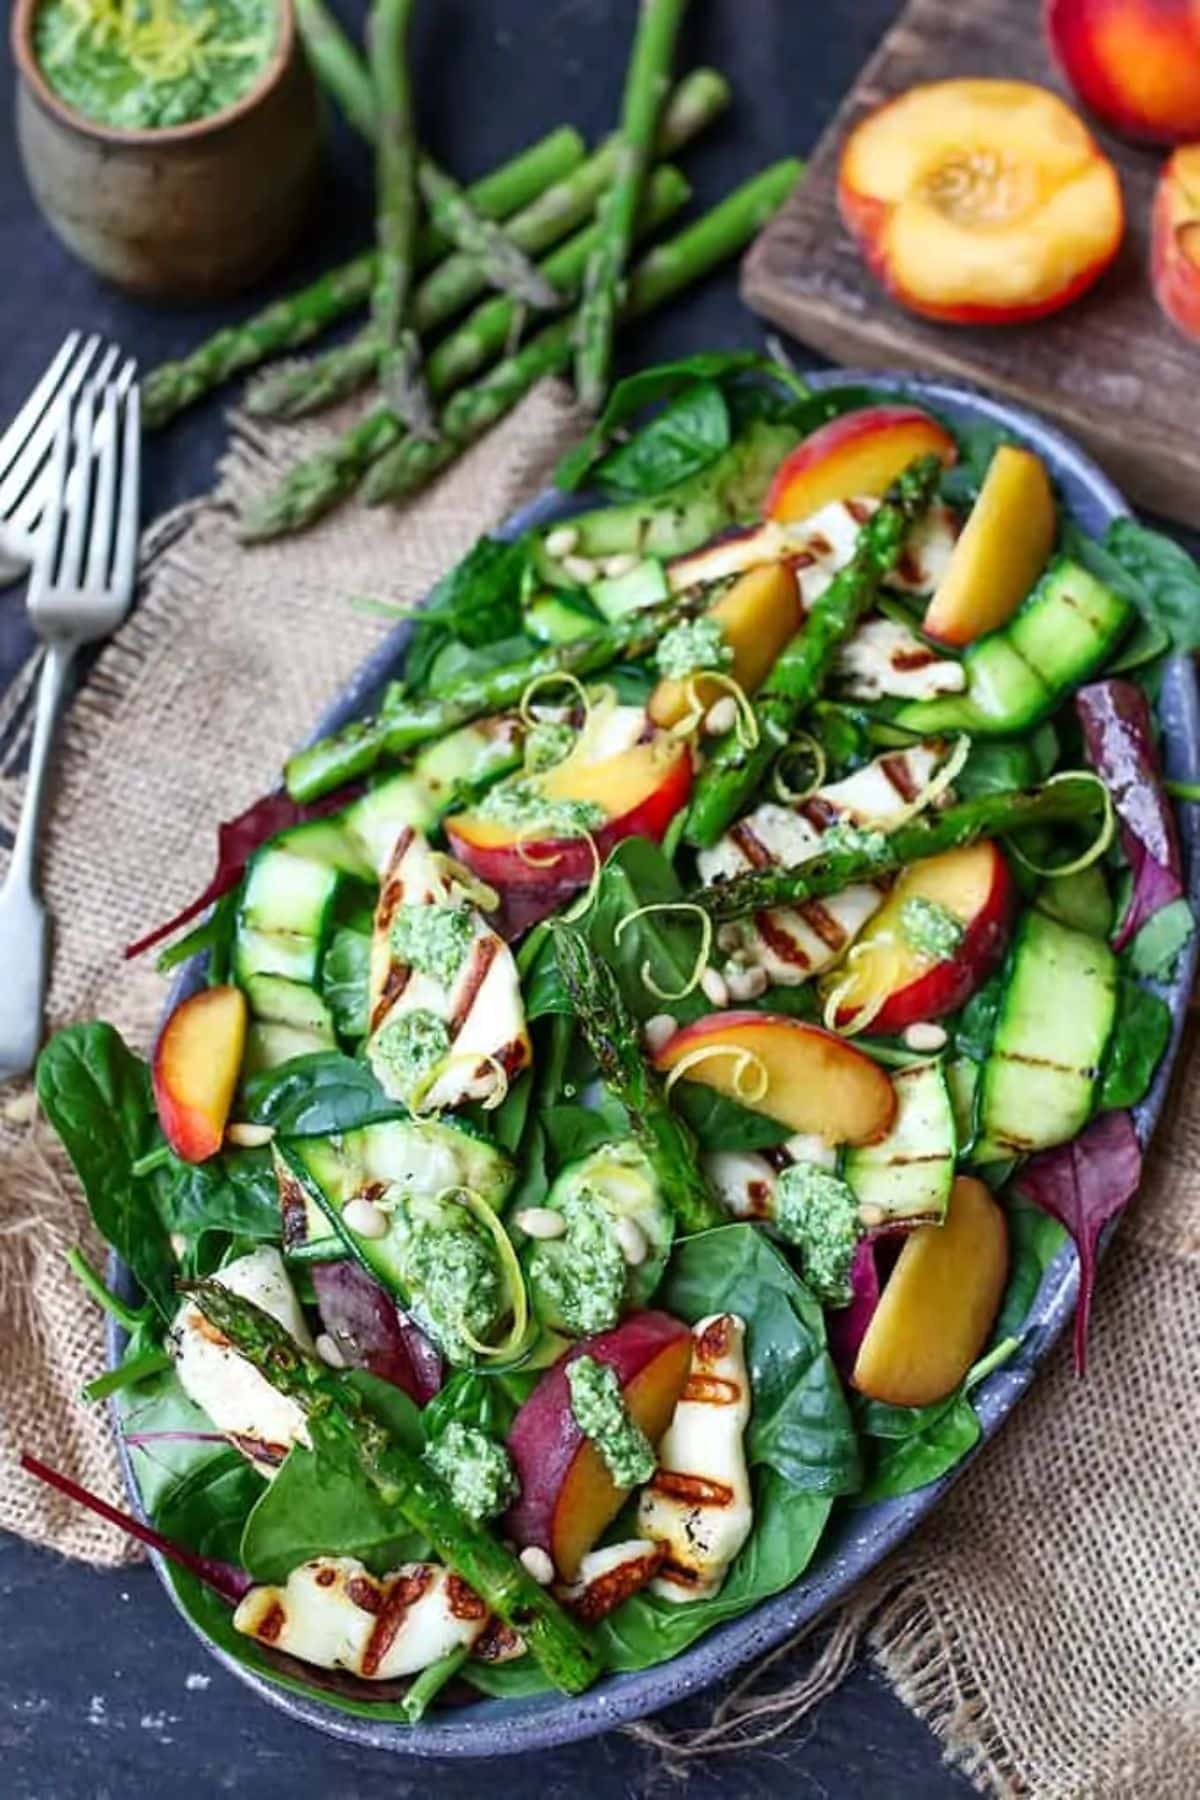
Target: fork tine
42, 577
14, 438
105, 445
27, 464
28, 510
124, 571
78, 490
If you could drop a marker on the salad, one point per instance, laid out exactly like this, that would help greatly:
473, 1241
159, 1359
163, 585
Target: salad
641, 1073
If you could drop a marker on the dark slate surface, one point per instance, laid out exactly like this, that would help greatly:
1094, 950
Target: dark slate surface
103, 1691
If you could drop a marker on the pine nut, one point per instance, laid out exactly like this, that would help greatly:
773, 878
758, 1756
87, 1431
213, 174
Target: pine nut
745, 984
540, 1222
329, 1351
535, 1562
634, 1245
365, 1219
249, 1137
721, 716
581, 569
807, 1147
871, 1216
714, 987
562, 540
925, 1036
616, 566
658, 1031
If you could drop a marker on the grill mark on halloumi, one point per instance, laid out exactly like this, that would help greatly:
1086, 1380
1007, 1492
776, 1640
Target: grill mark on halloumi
481, 956
818, 918
399, 1596
780, 940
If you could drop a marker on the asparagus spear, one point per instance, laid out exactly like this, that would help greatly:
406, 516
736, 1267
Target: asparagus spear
340, 1419
315, 485
337, 65
871, 854
506, 265
612, 1037
292, 392
400, 366
406, 723
646, 86
673, 265
289, 323
734, 770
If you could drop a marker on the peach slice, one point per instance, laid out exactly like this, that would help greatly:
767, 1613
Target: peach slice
859, 453
1001, 551
1134, 63
980, 202
1175, 240
975, 885
797, 1073
195, 1070
939, 1303
757, 615
567, 1496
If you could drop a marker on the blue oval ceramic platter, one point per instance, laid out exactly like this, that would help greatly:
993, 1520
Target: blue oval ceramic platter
857, 1539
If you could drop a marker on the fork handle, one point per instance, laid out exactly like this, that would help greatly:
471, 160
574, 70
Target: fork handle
56, 669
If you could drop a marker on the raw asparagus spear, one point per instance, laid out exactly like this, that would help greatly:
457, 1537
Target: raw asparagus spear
320, 481
290, 393
337, 64
611, 1032
734, 770
646, 86
287, 324
400, 367
867, 855
405, 723
672, 266
505, 264
339, 1418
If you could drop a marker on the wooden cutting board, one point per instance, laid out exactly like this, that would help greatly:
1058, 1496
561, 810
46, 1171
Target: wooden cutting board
1109, 369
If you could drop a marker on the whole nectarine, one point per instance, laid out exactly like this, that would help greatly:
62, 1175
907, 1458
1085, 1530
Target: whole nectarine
1134, 63
1175, 240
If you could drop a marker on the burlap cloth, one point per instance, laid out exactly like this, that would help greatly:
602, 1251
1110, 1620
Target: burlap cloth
1045, 1623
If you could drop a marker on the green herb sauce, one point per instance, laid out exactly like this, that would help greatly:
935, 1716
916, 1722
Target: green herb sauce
523, 803
433, 939
450, 1272
601, 1414
549, 741
477, 1471
407, 1047
153, 63
932, 930
579, 1279
691, 646
818, 1213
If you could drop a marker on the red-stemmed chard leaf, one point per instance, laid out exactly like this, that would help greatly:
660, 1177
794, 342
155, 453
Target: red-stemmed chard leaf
225, 1579
1119, 735
1083, 1185
237, 840
847, 1326
371, 1331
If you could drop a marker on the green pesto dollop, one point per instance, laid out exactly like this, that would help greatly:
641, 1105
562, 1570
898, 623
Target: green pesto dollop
407, 1047
523, 803
846, 839
818, 1214
481, 1479
449, 1271
690, 646
547, 743
601, 1414
433, 939
930, 928
579, 1278
149, 64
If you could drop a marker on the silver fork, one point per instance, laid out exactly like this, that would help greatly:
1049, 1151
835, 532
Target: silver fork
80, 589
26, 445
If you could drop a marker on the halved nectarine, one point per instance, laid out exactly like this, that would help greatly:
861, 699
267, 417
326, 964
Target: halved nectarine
939, 1303
1000, 552
567, 1496
1134, 63
757, 615
980, 202
195, 1070
1175, 240
972, 884
860, 453
792, 1071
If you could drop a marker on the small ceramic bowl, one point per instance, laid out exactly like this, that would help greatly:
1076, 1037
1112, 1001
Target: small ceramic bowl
188, 212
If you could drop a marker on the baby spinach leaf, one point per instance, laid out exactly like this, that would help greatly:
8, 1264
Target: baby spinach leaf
471, 1398
96, 1094
658, 948
1160, 577
903, 1462
314, 1095
235, 1192
344, 980
169, 1439
478, 602
977, 444
975, 1026
573, 1131
1034, 1240
722, 1124
688, 434
1156, 948
1135, 1046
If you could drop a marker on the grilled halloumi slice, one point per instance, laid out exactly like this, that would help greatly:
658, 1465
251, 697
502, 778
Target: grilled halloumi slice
744, 1180
883, 658
792, 944
927, 550
816, 548
608, 1576
698, 1502
260, 1422
334, 1614
481, 1008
